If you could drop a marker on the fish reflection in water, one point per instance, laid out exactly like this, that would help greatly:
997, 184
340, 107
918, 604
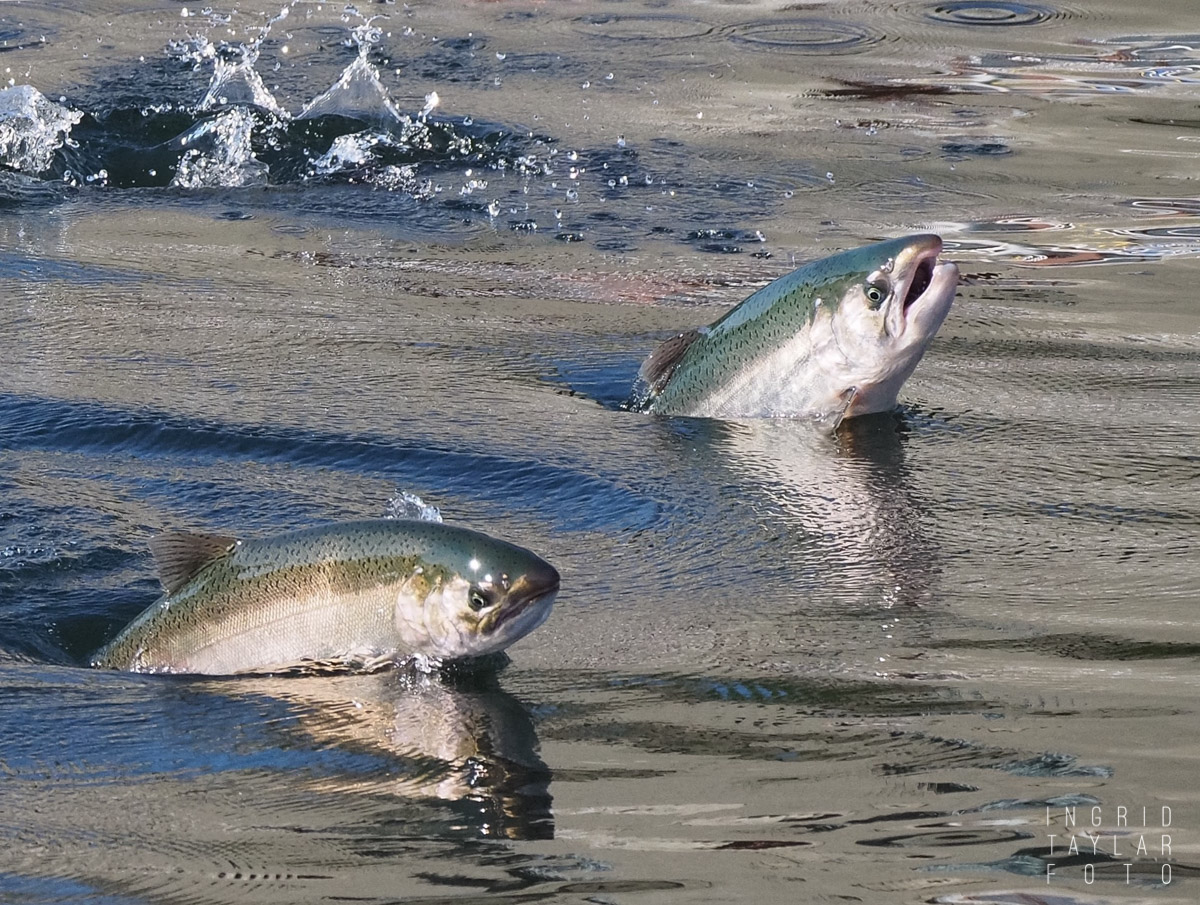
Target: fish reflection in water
455, 737
854, 522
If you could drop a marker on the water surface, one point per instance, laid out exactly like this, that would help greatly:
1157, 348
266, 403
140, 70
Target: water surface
266, 270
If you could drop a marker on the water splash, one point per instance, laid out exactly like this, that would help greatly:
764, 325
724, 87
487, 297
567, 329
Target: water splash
32, 129
350, 152
218, 153
358, 93
235, 81
230, 131
406, 504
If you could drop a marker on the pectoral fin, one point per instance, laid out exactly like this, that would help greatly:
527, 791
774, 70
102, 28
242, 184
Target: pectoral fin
179, 555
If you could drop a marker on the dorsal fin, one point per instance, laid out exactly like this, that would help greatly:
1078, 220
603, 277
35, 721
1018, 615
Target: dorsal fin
179, 555
660, 364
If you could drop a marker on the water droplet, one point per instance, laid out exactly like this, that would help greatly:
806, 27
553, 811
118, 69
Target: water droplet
620, 141
586, 85
501, 56
829, 176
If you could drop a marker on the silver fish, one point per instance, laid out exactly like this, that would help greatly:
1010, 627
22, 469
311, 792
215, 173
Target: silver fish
356, 595
835, 338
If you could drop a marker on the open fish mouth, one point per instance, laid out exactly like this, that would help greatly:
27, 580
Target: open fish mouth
926, 287
922, 277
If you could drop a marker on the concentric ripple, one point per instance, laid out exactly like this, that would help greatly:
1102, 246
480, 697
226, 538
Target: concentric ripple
642, 27
990, 13
807, 35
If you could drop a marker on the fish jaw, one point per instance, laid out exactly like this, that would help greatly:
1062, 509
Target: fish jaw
528, 606
923, 292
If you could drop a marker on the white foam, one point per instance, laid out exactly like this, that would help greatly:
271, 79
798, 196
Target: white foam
218, 153
32, 128
406, 504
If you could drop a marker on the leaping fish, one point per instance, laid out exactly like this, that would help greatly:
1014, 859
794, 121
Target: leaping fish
836, 338
356, 595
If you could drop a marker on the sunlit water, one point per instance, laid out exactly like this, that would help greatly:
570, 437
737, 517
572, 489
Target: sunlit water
265, 270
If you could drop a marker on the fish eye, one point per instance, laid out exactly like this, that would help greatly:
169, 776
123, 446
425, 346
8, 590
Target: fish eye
478, 599
876, 291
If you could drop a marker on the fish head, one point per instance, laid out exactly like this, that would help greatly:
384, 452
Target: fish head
884, 308
487, 594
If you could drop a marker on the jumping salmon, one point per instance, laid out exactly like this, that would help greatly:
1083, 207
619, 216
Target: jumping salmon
836, 338
352, 595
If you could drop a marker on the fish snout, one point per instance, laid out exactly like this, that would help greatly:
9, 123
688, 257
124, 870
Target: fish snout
537, 581
526, 604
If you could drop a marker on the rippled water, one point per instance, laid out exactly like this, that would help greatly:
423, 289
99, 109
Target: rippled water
269, 270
